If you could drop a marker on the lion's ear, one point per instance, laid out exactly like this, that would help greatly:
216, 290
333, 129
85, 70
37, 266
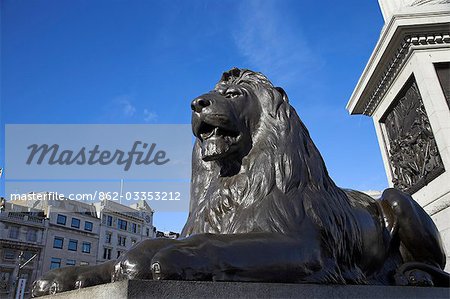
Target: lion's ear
233, 73
283, 94
279, 100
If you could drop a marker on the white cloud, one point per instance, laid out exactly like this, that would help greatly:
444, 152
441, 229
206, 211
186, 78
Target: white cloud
123, 108
270, 44
149, 116
128, 108
120, 108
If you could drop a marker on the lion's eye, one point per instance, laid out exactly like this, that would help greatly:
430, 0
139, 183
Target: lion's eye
233, 93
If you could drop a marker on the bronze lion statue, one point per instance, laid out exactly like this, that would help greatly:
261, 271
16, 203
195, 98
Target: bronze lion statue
263, 207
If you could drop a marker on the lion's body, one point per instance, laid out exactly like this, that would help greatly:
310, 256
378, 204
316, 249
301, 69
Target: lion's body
282, 183
263, 207
67, 278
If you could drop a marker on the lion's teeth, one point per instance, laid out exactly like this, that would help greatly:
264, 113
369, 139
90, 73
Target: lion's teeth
207, 135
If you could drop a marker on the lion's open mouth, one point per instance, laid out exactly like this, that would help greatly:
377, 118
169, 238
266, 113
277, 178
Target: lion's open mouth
207, 131
216, 141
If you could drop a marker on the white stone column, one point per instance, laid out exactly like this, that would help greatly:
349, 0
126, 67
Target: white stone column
415, 37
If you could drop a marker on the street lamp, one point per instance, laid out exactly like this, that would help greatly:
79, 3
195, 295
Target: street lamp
15, 276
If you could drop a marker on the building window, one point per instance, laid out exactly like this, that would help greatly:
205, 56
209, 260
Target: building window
71, 262
75, 223
88, 226
84, 263
86, 247
122, 224
119, 253
134, 227
443, 73
108, 238
109, 220
61, 219
58, 242
27, 255
14, 232
9, 254
73, 245
107, 253
4, 281
121, 240
147, 232
139, 229
55, 263
32, 235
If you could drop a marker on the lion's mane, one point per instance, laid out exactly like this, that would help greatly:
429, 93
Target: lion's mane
283, 180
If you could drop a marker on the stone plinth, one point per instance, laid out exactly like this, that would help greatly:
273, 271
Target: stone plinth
192, 289
405, 89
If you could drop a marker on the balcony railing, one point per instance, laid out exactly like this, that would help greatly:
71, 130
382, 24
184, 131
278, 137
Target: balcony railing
21, 217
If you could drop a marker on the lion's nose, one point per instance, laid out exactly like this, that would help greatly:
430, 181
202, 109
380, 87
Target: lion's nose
199, 103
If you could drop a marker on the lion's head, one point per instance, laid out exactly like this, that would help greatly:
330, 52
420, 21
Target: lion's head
229, 120
226, 120
255, 167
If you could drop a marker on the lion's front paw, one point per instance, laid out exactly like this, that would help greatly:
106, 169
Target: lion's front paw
42, 287
124, 269
163, 270
414, 278
181, 263
156, 271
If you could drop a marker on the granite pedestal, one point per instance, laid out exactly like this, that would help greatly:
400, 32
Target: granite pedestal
137, 289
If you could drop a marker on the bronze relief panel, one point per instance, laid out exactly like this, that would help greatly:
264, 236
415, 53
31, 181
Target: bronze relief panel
413, 154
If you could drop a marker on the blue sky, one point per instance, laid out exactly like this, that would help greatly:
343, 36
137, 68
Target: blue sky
84, 62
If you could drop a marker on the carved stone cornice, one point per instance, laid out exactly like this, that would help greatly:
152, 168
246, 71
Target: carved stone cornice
398, 60
400, 37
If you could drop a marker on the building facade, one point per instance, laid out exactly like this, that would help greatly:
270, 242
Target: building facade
121, 227
63, 232
167, 235
22, 237
72, 234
